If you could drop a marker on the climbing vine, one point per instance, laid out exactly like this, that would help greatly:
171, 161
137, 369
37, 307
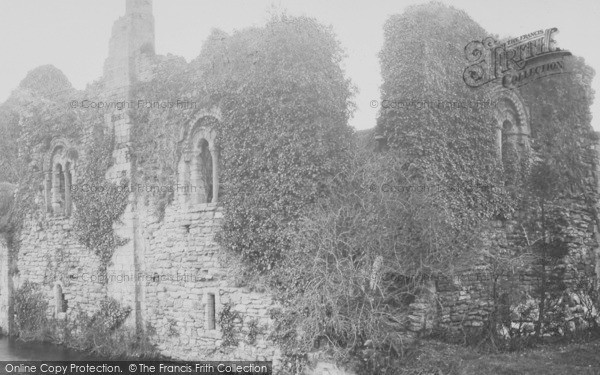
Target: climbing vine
284, 132
284, 103
38, 113
100, 203
229, 321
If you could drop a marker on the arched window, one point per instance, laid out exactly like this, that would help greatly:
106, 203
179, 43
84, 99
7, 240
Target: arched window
198, 168
512, 135
59, 176
201, 173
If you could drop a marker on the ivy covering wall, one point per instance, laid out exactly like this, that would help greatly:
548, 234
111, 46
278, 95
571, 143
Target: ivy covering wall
283, 134
38, 113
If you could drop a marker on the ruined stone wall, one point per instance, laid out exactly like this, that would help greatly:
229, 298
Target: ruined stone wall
5, 289
50, 254
180, 266
468, 299
183, 267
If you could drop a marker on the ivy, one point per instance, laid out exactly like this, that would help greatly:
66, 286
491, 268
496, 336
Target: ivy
285, 104
37, 113
34, 115
30, 306
228, 321
99, 202
443, 146
284, 132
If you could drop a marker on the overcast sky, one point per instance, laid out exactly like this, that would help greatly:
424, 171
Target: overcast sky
73, 35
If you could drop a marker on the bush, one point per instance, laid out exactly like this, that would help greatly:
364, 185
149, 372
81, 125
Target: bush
30, 308
95, 331
362, 256
104, 335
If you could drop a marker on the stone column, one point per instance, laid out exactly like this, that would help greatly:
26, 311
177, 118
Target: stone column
215, 173
48, 190
56, 189
68, 191
184, 179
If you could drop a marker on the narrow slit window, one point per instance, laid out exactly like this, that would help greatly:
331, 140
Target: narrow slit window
210, 306
61, 303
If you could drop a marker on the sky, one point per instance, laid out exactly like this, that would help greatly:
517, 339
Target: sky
73, 35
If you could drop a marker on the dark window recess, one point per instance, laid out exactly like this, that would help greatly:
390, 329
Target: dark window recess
211, 311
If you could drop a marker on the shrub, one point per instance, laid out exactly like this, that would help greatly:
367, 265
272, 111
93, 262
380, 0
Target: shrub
30, 310
229, 321
362, 255
104, 335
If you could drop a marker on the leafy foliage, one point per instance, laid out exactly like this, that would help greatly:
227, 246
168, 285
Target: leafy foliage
38, 113
284, 132
100, 203
30, 307
229, 320
285, 104
422, 59
9, 134
156, 132
7, 192
359, 259
363, 255
87, 332
560, 175
561, 128
104, 334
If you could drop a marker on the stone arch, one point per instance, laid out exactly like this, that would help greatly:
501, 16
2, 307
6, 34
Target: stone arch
512, 96
59, 173
199, 163
512, 129
213, 112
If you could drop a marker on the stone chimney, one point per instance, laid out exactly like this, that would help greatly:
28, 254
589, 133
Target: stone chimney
139, 7
130, 56
132, 40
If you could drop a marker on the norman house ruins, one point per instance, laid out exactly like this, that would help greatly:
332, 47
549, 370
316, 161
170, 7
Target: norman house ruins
169, 269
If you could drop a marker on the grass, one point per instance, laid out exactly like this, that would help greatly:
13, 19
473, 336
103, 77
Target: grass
435, 358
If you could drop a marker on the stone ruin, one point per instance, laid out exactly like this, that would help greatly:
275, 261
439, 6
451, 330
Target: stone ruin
184, 307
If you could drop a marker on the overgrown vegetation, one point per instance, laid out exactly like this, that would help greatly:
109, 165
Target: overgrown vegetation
102, 333
7, 192
30, 119
36, 114
283, 134
30, 308
364, 252
100, 203
230, 321
313, 213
